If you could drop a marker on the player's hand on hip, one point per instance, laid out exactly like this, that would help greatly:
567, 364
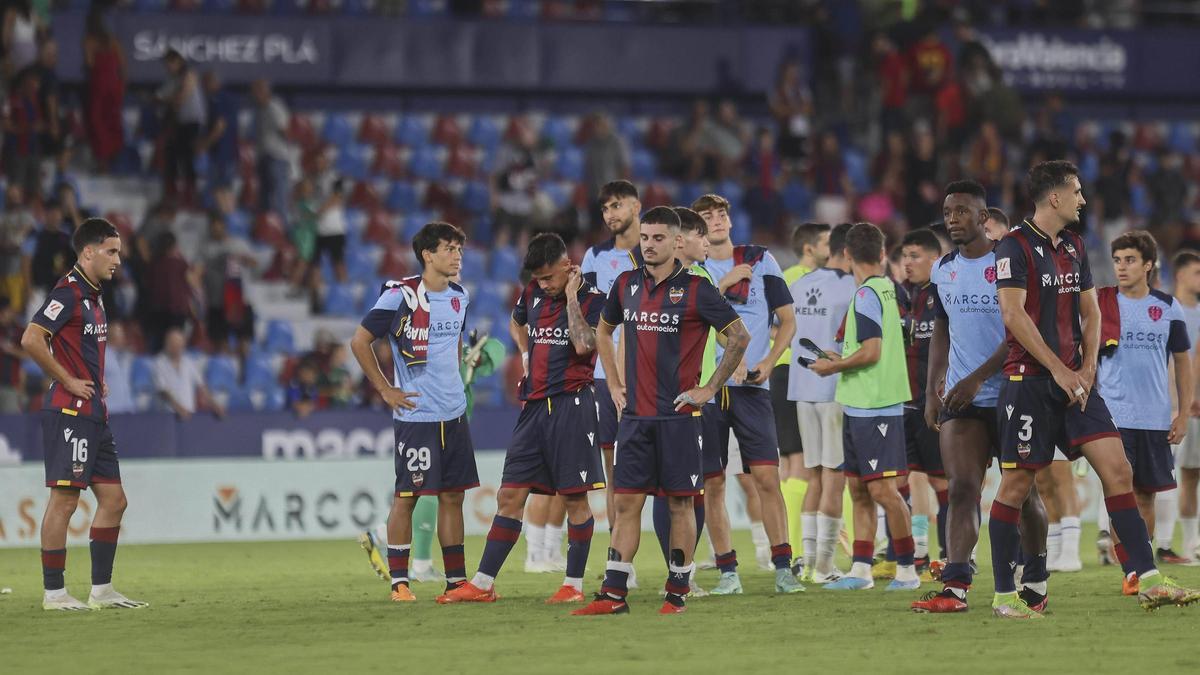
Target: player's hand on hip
1072, 383
695, 398
398, 399
83, 389
962, 394
1178, 430
574, 281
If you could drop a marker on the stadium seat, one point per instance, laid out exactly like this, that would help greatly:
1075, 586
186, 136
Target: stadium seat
413, 223
364, 195
476, 198
484, 132
1182, 137
630, 129
266, 398
462, 162
337, 130
150, 5
427, 163
446, 131
260, 369
402, 197
218, 6
690, 192
269, 229
559, 193
504, 265
357, 7
388, 162
394, 263
732, 190
570, 163
237, 224
356, 224
741, 230
655, 194
352, 160
238, 399
361, 262
379, 228
559, 131
221, 373
856, 170
797, 198
279, 338
427, 8
412, 131
643, 165
141, 382
340, 300
301, 131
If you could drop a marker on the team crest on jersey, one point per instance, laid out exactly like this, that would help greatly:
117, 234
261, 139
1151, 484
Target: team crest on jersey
676, 294
1155, 312
989, 274
614, 263
953, 275
418, 479
456, 304
1070, 249
77, 469
929, 301
1024, 450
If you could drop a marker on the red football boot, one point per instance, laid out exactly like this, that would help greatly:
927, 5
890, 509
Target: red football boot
945, 601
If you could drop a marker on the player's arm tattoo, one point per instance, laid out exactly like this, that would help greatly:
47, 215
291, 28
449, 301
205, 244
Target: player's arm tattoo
736, 341
583, 336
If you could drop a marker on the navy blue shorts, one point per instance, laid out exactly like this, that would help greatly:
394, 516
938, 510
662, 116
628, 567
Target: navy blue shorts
982, 414
747, 412
433, 457
1150, 455
553, 448
606, 412
78, 451
874, 447
1033, 418
659, 456
714, 444
787, 427
921, 443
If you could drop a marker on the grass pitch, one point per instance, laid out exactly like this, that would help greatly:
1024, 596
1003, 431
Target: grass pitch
315, 607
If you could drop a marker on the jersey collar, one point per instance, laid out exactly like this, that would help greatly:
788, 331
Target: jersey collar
1036, 230
85, 277
674, 273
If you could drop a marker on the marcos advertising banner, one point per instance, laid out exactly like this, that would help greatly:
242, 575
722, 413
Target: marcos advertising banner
1135, 62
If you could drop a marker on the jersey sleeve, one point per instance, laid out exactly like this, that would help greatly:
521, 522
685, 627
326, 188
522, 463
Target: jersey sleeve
591, 307
612, 314
868, 315
56, 311
775, 287
1012, 268
520, 313
588, 267
1085, 268
378, 321
1177, 336
713, 307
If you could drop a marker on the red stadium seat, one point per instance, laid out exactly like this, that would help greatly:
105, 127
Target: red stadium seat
446, 131
373, 130
394, 263
462, 162
268, 229
659, 133
364, 196
655, 195
302, 132
379, 228
246, 159
389, 161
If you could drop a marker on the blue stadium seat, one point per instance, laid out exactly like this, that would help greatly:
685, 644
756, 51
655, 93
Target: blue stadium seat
524, 9
260, 370
856, 170
627, 128
1182, 137
361, 263
353, 160
476, 198
279, 338
337, 130
357, 7
287, 7
504, 264
339, 300
220, 374
356, 223
485, 132
731, 190
797, 198
560, 193
413, 222
428, 163
402, 197
141, 382
150, 5
740, 232
690, 192
1089, 167
412, 131
238, 400
268, 398
643, 164
559, 131
570, 163
237, 224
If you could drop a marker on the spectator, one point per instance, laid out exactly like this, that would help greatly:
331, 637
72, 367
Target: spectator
186, 115
517, 203
893, 76
304, 393
330, 190
923, 191
724, 140
303, 233
605, 157
21, 30
1168, 190
831, 183
221, 138
118, 371
1111, 195
223, 258
763, 201
24, 124
336, 385
69, 201
104, 61
791, 106
272, 150
168, 290
986, 161
178, 381
54, 141
683, 156
53, 254
12, 377
16, 223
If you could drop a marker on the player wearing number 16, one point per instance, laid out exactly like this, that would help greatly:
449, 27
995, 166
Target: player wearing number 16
67, 338
423, 318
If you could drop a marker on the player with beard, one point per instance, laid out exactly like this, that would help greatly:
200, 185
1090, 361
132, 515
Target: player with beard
1052, 320
966, 352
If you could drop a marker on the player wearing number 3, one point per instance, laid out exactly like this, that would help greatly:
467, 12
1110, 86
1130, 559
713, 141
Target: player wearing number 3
423, 319
67, 338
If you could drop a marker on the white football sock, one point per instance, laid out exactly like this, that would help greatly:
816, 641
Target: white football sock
419, 566
1166, 512
577, 584
1102, 517
758, 535
1069, 551
553, 542
808, 523
535, 541
1191, 535
1053, 544
880, 530
906, 572
828, 529
482, 581
860, 570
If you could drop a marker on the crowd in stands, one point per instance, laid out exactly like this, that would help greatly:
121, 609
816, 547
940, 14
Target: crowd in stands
324, 202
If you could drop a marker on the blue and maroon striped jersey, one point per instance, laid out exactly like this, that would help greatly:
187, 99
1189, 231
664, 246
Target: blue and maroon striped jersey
1052, 278
73, 315
666, 326
918, 310
554, 366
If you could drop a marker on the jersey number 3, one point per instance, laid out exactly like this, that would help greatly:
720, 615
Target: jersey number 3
1026, 431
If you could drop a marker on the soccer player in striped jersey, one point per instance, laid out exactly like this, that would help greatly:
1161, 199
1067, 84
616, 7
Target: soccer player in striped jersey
822, 298
1133, 376
667, 312
1186, 267
752, 282
553, 448
602, 264
67, 337
966, 353
1052, 320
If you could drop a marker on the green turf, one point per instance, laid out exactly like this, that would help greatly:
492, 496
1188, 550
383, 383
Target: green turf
316, 607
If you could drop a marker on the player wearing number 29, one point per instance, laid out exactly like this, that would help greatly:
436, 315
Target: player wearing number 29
67, 338
1052, 319
423, 318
